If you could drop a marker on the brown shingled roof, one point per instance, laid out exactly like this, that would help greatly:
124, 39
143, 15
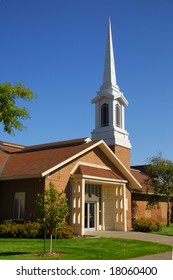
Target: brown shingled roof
98, 172
35, 162
140, 177
10, 147
41, 160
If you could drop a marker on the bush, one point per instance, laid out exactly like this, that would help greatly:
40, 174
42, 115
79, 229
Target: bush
65, 231
32, 230
27, 230
146, 225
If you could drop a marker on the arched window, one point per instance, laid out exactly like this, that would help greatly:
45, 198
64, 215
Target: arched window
118, 115
104, 114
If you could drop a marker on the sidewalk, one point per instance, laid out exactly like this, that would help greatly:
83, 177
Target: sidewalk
158, 238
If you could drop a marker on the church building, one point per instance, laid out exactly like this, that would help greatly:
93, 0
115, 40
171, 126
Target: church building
94, 172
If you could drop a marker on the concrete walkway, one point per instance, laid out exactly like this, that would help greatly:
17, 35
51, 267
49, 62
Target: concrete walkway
164, 239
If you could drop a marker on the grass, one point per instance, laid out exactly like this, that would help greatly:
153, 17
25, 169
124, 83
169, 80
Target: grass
166, 230
79, 249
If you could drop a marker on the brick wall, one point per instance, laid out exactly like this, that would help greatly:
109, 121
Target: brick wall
31, 187
61, 177
123, 154
158, 213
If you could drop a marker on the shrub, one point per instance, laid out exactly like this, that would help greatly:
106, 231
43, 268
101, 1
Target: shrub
27, 230
65, 231
146, 225
30, 230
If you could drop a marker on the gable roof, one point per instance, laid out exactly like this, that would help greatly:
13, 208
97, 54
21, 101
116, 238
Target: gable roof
98, 172
41, 160
9, 147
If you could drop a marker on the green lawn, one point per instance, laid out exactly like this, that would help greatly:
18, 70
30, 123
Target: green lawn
79, 249
166, 230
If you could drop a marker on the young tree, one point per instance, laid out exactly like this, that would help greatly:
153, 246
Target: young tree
10, 113
54, 208
160, 172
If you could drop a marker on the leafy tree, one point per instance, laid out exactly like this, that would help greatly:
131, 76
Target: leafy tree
10, 113
54, 208
160, 172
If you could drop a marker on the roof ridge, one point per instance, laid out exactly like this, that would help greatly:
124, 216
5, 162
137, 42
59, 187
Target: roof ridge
59, 144
13, 145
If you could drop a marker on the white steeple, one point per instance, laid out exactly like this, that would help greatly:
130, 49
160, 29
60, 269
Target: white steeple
109, 78
110, 103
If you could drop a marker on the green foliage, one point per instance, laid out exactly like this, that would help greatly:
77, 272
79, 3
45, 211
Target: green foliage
160, 173
146, 225
54, 208
25, 230
10, 113
160, 181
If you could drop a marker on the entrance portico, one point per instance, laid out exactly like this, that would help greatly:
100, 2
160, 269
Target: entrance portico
98, 203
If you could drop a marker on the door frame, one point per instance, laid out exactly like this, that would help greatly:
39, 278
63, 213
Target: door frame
86, 216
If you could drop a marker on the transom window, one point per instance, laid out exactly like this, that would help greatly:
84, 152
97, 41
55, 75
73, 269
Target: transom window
93, 189
104, 114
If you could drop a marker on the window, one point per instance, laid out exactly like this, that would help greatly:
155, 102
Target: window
19, 206
104, 114
118, 115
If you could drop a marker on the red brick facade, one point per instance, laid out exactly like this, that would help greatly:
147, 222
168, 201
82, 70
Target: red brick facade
123, 154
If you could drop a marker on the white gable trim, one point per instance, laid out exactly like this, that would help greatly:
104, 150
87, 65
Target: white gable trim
70, 159
89, 178
109, 153
119, 165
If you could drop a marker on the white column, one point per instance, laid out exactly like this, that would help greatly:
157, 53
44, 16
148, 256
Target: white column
83, 207
124, 207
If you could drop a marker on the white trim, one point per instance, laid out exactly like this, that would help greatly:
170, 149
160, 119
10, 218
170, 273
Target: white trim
109, 153
70, 159
125, 208
100, 179
119, 164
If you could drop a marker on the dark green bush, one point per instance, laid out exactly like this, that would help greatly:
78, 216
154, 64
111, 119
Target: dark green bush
32, 230
27, 229
146, 225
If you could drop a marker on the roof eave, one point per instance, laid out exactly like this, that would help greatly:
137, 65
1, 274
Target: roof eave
18, 177
99, 179
109, 153
132, 180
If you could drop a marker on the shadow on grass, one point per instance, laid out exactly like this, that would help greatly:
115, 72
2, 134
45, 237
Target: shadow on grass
6, 254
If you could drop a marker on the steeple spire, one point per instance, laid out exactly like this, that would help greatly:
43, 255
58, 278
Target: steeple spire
109, 78
110, 106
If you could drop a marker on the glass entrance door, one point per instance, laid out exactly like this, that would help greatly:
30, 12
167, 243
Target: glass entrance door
90, 215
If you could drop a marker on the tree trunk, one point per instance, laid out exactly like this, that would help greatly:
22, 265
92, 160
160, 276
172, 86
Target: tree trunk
50, 251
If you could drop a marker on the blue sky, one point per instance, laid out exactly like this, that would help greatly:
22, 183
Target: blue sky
57, 49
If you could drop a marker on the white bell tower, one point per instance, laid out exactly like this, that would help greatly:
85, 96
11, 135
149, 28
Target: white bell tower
109, 105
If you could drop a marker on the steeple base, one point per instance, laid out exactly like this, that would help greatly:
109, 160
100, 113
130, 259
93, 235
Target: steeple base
117, 139
123, 154
112, 136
